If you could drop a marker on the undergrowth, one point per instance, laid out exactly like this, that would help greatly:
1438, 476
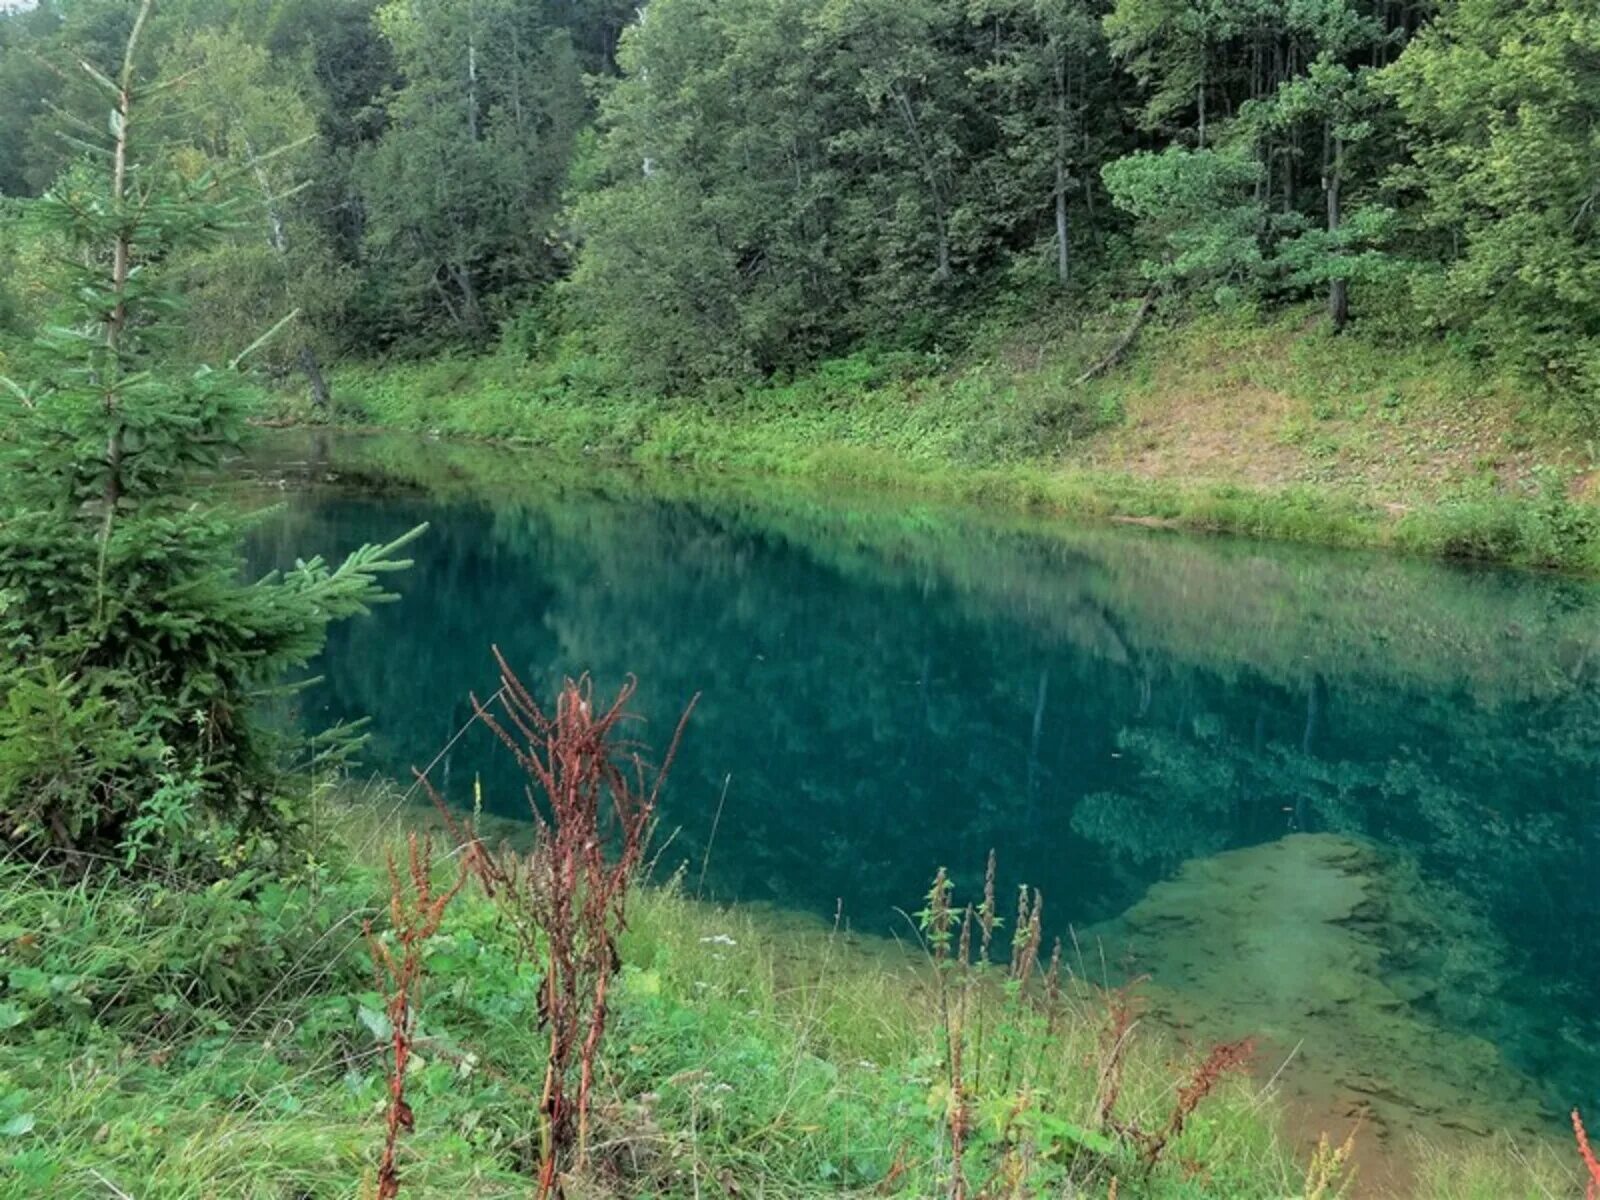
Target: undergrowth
778, 1060
1390, 444
166, 1041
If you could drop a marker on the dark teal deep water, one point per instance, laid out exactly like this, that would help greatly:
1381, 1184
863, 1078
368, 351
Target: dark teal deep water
886, 690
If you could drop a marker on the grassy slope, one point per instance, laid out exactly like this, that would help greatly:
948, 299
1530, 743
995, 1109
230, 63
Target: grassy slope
1273, 430
162, 1042
222, 1043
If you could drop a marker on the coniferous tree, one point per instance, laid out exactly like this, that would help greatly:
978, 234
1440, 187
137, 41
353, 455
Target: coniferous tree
132, 653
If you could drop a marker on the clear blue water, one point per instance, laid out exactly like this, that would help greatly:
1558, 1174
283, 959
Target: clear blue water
887, 688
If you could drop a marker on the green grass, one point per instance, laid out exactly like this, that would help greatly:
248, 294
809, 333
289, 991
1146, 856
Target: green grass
167, 1041
1271, 430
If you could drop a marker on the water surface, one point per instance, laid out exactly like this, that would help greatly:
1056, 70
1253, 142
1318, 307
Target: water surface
1348, 802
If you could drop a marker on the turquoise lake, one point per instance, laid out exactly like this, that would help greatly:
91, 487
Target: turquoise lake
1347, 802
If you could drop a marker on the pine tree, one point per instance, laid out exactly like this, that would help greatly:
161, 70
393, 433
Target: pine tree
132, 651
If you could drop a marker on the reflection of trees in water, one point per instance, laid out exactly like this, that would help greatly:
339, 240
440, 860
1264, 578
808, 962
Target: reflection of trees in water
884, 705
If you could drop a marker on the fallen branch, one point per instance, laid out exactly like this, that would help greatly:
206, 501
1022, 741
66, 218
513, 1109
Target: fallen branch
1146, 306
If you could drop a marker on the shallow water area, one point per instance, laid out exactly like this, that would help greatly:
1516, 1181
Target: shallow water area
1344, 802
1336, 958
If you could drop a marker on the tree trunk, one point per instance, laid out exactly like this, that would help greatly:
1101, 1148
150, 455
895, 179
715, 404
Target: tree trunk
471, 315
121, 269
516, 77
1291, 150
472, 73
1063, 246
1339, 288
444, 299
1126, 340
320, 397
931, 173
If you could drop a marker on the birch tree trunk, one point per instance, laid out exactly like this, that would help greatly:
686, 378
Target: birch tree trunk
278, 239
121, 269
472, 72
312, 369
931, 173
1339, 288
1063, 246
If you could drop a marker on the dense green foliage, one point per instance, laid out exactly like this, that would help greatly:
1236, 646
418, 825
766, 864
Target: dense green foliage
460, 189
1503, 105
130, 650
724, 191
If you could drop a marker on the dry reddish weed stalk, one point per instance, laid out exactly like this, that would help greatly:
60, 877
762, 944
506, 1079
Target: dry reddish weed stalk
959, 966
414, 917
1590, 1164
1115, 1038
593, 800
1223, 1059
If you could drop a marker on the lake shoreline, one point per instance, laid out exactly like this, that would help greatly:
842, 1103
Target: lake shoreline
1216, 660
927, 440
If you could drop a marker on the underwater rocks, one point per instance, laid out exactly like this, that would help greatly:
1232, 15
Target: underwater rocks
1349, 971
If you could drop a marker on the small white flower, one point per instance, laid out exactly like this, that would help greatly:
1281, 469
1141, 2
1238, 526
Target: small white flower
718, 939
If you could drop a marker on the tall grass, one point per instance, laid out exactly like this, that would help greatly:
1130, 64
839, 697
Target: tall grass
752, 1052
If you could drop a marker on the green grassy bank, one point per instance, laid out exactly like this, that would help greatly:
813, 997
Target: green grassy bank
161, 1040
1273, 430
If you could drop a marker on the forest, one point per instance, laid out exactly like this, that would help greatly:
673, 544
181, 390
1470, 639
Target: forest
702, 194
1321, 270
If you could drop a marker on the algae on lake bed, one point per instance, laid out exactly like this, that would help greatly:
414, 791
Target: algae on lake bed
1338, 960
